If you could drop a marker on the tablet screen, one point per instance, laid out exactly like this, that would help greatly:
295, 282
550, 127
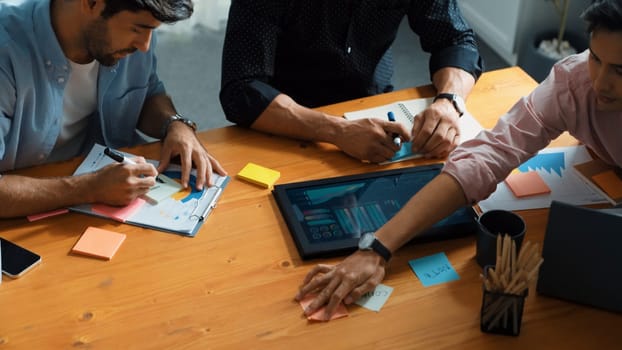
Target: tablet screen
328, 216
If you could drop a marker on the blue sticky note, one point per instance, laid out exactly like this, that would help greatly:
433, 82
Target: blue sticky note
434, 269
375, 299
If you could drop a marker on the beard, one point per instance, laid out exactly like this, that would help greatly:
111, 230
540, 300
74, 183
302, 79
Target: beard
96, 40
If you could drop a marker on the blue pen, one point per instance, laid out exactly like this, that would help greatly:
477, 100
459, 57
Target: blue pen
396, 138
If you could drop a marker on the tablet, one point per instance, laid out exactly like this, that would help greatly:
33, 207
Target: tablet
326, 217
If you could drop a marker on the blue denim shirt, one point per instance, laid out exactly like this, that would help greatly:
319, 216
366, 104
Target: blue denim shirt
33, 74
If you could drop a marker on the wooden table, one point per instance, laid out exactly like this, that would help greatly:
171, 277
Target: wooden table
232, 286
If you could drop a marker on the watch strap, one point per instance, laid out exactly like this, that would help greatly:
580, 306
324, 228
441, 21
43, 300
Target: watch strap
381, 250
177, 117
455, 100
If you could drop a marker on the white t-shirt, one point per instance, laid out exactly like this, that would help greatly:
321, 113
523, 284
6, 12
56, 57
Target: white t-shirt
79, 101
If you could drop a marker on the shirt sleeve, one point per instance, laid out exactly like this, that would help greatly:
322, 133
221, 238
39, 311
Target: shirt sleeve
444, 33
533, 122
248, 59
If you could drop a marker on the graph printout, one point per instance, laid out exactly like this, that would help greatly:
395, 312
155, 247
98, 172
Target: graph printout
554, 165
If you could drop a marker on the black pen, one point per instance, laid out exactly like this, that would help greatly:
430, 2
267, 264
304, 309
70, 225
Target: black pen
118, 156
396, 138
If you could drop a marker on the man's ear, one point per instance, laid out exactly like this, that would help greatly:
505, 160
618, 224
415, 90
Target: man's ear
93, 7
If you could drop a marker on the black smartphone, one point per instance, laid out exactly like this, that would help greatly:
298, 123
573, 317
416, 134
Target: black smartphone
17, 260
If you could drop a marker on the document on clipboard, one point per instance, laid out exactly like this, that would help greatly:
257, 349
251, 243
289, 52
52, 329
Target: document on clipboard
182, 212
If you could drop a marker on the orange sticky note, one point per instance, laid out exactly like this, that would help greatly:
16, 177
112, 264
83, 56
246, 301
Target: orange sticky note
319, 314
609, 182
99, 243
527, 184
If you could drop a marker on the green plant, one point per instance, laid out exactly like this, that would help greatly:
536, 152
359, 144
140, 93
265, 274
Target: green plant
561, 7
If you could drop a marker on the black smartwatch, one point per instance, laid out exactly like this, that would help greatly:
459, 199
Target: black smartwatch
456, 101
368, 241
178, 118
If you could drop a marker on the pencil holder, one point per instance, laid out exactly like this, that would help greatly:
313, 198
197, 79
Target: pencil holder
502, 313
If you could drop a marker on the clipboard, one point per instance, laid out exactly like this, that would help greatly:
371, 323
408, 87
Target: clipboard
182, 213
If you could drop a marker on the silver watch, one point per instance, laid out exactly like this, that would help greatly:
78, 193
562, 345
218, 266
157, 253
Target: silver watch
177, 118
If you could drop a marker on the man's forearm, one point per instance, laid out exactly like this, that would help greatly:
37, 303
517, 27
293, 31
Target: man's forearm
438, 199
285, 117
453, 80
156, 111
28, 195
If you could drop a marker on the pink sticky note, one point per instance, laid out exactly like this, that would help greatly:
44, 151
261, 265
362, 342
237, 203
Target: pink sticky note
99, 243
118, 213
319, 314
527, 184
47, 214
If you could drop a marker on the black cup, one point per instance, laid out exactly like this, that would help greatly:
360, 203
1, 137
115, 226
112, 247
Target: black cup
491, 224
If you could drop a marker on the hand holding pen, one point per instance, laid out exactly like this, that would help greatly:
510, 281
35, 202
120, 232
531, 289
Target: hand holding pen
397, 140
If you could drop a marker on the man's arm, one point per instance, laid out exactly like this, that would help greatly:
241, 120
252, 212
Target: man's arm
436, 130
116, 184
367, 139
455, 65
364, 270
248, 98
179, 140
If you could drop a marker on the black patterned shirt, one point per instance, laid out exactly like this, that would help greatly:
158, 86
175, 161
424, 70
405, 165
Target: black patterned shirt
326, 51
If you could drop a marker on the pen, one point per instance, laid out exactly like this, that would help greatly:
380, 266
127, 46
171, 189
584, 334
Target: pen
396, 138
118, 156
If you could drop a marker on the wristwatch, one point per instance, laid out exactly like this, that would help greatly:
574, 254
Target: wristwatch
177, 118
368, 241
456, 100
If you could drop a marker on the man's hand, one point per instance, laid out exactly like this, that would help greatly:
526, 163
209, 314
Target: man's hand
358, 274
119, 184
370, 139
436, 131
182, 141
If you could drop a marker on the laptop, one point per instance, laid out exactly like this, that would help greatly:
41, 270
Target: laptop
583, 256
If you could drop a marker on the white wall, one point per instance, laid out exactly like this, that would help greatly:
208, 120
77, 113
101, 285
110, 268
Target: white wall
505, 24
495, 22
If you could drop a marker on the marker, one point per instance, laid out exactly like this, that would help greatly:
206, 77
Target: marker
118, 156
396, 138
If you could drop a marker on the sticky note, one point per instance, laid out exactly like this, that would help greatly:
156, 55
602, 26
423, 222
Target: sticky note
434, 269
318, 315
609, 182
527, 184
118, 213
375, 299
46, 214
259, 175
164, 188
99, 243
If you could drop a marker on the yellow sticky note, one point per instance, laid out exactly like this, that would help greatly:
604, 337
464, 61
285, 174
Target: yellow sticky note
259, 175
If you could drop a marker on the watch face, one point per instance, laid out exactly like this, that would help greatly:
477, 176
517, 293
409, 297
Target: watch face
366, 240
459, 103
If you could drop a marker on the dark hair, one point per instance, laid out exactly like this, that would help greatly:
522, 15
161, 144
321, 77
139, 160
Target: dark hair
604, 14
165, 11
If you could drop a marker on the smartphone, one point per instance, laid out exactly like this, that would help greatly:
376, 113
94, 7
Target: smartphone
17, 260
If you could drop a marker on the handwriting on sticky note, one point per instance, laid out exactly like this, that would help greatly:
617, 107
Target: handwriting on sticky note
434, 269
375, 299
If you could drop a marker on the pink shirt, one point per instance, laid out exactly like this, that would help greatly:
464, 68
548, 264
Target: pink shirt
564, 101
